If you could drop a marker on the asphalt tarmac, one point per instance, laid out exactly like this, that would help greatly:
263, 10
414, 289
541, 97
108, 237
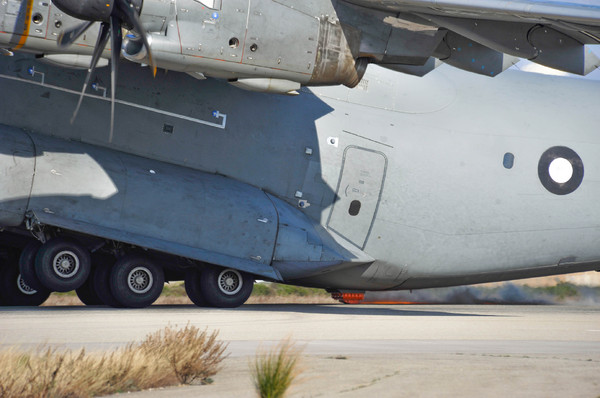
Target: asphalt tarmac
356, 351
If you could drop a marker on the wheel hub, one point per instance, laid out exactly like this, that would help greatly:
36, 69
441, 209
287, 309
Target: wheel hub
24, 287
66, 264
230, 282
140, 280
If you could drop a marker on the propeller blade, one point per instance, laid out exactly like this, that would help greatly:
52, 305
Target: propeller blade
114, 14
98, 49
116, 41
68, 37
132, 18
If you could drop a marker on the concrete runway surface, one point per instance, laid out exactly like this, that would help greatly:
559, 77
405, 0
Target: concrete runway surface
357, 351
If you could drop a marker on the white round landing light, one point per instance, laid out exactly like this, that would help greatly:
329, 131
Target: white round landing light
561, 170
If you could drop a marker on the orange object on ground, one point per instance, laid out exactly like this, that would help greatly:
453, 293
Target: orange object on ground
348, 298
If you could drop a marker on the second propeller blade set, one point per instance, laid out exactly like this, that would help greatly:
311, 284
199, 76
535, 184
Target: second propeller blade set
113, 16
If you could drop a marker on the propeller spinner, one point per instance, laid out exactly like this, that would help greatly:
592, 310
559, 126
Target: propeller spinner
113, 15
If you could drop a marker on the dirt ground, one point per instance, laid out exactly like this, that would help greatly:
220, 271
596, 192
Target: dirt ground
416, 375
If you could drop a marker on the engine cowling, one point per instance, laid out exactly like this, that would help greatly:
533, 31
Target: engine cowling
258, 39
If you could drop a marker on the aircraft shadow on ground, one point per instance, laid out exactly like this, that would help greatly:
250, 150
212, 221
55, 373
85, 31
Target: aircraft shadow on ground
325, 309
374, 310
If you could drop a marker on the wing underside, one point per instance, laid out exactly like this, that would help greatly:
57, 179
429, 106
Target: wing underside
481, 36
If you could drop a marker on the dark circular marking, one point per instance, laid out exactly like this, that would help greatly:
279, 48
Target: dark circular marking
558, 188
354, 208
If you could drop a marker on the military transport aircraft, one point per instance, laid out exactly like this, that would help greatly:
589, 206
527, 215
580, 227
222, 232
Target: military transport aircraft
181, 170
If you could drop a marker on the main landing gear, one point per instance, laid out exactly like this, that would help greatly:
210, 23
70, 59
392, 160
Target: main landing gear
115, 274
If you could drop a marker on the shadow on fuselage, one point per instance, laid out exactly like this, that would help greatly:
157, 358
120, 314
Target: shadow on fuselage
204, 154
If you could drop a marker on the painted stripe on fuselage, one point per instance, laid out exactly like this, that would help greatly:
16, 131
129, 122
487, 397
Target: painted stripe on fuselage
26, 25
216, 114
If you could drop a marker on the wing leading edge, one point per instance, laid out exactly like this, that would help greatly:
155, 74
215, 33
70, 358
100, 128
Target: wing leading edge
481, 36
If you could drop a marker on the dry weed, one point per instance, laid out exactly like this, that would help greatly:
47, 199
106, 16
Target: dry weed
191, 354
48, 372
273, 372
55, 300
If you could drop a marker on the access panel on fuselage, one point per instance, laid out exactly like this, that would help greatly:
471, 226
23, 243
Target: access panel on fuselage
358, 193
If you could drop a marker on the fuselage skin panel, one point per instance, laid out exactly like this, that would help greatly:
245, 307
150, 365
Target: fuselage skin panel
424, 182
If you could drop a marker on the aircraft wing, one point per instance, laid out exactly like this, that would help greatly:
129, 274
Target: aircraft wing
483, 36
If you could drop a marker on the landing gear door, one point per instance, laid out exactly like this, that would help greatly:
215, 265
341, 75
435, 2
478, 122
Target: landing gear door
358, 194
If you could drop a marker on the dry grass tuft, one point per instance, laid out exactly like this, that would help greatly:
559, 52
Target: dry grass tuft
191, 354
274, 371
48, 372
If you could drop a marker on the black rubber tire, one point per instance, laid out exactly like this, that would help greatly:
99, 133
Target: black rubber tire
131, 292
193, 289
15, 292
50, 253
216, 296
101, 281
87, 293
27, 265
3, 301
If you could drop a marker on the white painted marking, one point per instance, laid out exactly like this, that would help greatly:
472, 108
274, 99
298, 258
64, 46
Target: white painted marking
217, 114
561, 170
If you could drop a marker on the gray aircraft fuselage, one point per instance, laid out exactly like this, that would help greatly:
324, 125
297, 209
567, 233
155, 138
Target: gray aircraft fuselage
400, 183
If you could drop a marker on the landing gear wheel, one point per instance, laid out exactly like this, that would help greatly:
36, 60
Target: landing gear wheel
62, 265
87, 293
16, 292
193, 289
101, 282
27, 265
225, 287
136, 282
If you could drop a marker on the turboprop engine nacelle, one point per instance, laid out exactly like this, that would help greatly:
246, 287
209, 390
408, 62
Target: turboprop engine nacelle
238, 39
241, 39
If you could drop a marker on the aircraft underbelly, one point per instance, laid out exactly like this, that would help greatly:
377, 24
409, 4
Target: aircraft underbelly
137, 200
160, 206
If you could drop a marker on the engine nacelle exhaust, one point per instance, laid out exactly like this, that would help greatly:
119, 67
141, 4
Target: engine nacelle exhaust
337, 59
